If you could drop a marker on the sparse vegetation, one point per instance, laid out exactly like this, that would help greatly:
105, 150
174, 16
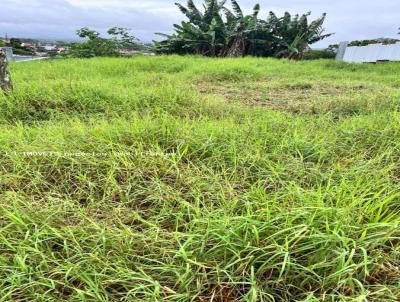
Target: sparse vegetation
200, 179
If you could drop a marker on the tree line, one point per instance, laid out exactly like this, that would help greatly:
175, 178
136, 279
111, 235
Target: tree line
216, 31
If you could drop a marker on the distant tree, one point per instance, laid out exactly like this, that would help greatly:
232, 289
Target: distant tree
97, 46
15, 43
17, 47
333, 47
317, 54
93, 46
122, 39
385, 41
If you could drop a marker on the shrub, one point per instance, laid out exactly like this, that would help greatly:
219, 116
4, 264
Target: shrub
319, 54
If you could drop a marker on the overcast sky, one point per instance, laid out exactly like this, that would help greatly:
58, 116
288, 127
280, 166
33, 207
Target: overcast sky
59, 19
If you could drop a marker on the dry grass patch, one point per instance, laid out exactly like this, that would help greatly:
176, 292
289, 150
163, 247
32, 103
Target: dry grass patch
303, 97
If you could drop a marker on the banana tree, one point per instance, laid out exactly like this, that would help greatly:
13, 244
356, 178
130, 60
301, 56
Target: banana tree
219, 31
203, 33
241, 29
294, 35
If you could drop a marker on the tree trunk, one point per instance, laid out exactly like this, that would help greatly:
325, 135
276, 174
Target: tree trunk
5, 78
237, 48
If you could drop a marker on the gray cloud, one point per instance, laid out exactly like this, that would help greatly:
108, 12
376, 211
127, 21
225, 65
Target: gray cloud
60, 18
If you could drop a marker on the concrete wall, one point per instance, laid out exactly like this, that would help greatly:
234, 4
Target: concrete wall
341, 51
372, 53
9, 53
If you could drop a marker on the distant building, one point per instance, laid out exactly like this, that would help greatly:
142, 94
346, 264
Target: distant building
32, 47
28, 45
47, 48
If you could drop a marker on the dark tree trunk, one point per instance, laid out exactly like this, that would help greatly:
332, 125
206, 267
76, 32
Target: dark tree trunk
237, 48
5, 78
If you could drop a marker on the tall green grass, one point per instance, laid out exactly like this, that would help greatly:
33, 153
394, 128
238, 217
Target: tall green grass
197, 179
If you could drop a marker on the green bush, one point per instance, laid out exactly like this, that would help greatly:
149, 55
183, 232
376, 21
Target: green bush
319, 54
22, 52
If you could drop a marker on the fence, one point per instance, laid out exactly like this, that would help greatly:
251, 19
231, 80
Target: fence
369, 54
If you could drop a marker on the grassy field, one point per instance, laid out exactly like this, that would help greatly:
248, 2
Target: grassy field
195, 179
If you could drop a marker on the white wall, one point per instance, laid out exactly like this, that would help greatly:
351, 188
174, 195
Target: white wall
372, 53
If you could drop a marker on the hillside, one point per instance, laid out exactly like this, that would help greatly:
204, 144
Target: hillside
197, 179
